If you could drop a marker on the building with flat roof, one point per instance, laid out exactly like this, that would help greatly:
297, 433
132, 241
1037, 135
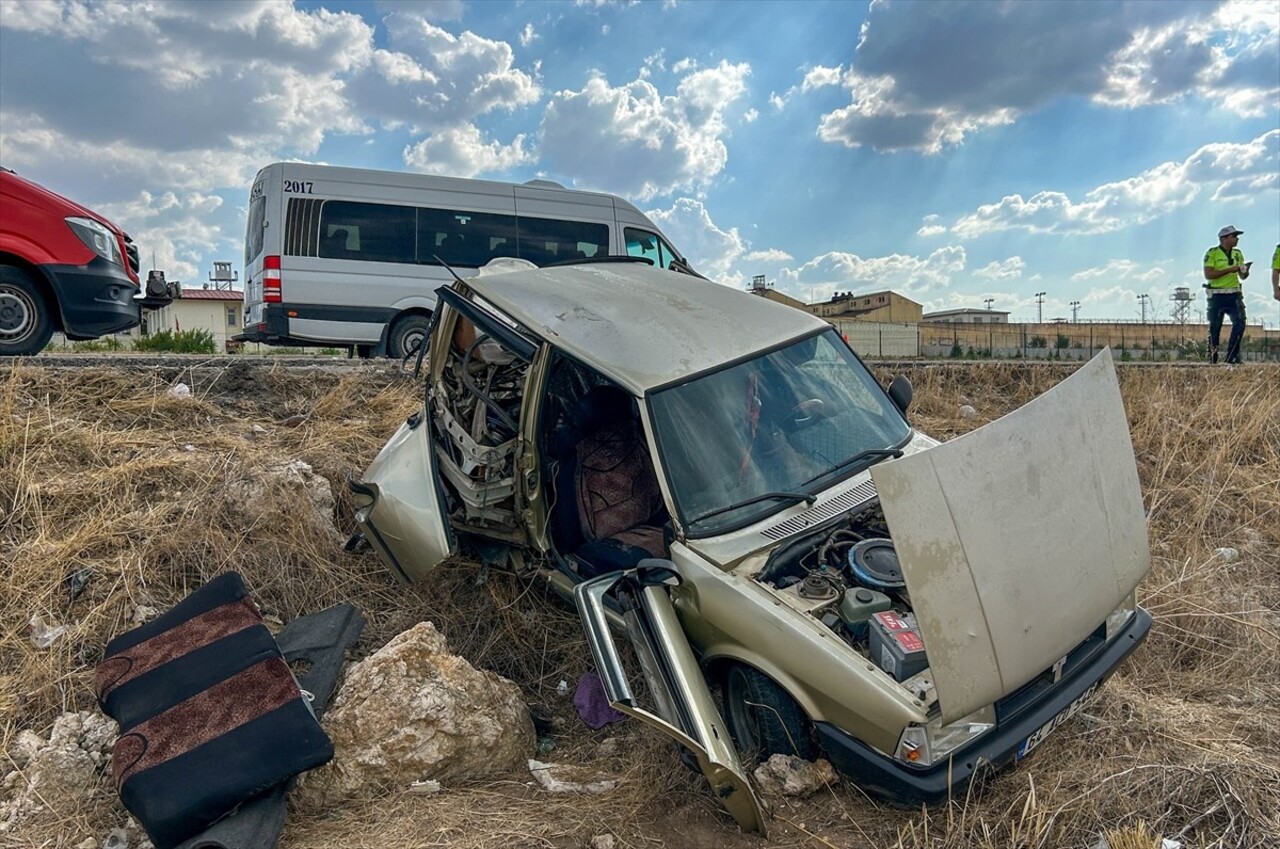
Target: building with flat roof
220, 311
884, 306
968, 316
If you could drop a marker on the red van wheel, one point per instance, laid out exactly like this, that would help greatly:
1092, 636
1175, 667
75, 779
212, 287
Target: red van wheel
25, 326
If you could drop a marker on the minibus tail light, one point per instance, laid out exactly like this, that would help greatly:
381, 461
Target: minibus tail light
271, 291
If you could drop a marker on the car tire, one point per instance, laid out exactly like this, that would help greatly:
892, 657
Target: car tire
763, 718
25, 323
406, 334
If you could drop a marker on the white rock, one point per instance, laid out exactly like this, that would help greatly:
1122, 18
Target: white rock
179, 390
54, 775
967, 412
260, 491
568, 778
412, 711
603, 841
144, 613
430, 787
788, 775
1228, 555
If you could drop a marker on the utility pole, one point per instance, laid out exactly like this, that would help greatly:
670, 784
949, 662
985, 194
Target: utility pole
989, 302
1143, 298
1075, 311
1040, 307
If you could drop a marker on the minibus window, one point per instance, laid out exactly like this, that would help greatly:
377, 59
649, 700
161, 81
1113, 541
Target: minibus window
545, 240
643, 244
464, 239
650, 246
253, 232
373, 232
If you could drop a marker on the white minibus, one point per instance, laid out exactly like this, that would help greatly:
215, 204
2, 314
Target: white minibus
347, 257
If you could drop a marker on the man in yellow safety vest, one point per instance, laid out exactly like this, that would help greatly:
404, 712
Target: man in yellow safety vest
1275, 274
1224, 268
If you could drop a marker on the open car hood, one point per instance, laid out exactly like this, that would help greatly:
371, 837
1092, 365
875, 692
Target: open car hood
1017, 540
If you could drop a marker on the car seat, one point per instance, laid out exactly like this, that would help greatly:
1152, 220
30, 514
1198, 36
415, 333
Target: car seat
609, 510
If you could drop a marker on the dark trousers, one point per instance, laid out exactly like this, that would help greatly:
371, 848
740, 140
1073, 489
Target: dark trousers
1231, 306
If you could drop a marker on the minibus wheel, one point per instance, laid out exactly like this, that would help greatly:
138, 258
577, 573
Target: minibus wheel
408, 332
25, 324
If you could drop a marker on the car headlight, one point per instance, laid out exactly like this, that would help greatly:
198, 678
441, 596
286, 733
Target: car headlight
1119, 617
925, 745
97, 237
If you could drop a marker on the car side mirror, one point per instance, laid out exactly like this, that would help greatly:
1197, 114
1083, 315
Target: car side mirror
900, 393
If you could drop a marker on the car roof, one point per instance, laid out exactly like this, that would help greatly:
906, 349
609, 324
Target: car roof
641, 326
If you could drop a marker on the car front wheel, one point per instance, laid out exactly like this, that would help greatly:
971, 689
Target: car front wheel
25, 325
763, 718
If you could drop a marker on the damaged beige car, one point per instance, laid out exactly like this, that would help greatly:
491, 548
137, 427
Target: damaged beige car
720, 478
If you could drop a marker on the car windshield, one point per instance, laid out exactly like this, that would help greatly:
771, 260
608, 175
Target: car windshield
756, 437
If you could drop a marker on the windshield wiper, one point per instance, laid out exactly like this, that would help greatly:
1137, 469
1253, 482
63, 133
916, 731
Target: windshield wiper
792, 496
875, 455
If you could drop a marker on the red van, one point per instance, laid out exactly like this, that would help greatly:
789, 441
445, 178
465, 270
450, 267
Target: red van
62, 267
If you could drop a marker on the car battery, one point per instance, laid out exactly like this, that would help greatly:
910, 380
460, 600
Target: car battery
896, 646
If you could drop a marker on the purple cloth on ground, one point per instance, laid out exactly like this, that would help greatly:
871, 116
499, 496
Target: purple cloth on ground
592, 704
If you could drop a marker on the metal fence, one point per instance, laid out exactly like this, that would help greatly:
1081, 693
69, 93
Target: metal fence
1081, 341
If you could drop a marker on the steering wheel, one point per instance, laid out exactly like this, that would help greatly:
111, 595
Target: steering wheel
807, 412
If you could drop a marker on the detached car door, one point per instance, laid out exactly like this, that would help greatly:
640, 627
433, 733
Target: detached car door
682, 706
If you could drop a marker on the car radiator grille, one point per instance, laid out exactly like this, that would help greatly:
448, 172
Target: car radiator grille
842, 503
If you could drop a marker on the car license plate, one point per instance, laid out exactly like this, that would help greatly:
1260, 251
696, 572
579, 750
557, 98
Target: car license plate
1045, 730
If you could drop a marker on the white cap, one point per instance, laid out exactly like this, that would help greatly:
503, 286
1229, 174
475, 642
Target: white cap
1229, 230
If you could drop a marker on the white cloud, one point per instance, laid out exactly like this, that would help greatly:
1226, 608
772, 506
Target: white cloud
105, 171
709, 249
432, 10
463, 152
770, 255
1121, 269
431, 78
1010, 269
750, 116
223, 75
1249, 171
820, 77
915, 84
528, 36
932, 226
633, 140
821, 277
176, 231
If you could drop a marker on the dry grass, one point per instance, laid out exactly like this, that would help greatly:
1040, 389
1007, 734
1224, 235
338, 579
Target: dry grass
101, 469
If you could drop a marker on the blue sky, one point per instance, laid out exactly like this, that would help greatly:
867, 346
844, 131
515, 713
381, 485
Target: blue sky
952, 151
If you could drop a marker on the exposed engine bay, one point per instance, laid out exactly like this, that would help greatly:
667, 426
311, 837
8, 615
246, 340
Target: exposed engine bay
849, 579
